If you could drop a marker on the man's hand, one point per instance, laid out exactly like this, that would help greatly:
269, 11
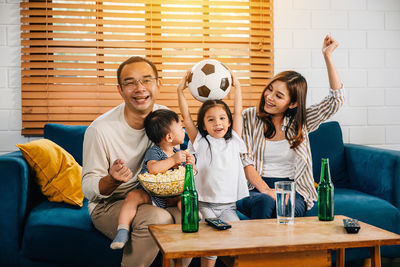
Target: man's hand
119, 172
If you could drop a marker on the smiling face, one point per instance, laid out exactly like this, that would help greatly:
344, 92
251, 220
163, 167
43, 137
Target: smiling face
277, 99
216, 121
139, 99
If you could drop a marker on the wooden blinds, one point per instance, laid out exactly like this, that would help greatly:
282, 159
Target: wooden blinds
71, 50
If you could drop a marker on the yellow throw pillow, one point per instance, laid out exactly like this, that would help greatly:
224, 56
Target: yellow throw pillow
57, 172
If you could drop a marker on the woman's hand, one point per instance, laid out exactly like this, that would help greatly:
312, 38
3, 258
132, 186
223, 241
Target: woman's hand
329, 46
270, 192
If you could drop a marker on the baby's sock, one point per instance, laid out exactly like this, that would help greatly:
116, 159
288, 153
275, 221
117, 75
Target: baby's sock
121, 237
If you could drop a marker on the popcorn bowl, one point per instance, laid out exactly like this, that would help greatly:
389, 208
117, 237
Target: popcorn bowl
167, 184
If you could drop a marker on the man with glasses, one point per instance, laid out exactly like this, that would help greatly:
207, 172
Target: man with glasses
113, 151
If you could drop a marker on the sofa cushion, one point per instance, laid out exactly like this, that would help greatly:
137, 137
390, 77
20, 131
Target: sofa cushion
327, 142
60, 233
57, 173
68, 137
373, 171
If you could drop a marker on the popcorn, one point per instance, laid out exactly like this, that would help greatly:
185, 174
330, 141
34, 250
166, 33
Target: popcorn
169, 183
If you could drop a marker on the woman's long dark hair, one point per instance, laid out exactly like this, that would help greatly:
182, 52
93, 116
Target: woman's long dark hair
202, 113
297, 87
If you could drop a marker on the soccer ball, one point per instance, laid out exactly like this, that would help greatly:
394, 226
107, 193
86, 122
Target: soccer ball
209, 80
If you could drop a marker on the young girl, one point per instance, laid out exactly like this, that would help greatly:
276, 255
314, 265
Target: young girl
276, 136
164, 128
217, 142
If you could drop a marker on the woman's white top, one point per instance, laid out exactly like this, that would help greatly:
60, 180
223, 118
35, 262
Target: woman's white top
220, 177
279, 159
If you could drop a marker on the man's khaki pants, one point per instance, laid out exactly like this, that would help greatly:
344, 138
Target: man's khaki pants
140, 250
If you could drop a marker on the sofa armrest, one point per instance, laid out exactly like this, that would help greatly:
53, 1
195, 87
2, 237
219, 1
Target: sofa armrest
14, 194
374, 171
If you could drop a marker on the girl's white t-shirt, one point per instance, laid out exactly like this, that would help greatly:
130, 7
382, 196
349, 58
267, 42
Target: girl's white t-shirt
220, 177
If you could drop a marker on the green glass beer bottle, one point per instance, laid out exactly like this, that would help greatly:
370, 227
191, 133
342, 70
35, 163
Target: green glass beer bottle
189, 203
325, 194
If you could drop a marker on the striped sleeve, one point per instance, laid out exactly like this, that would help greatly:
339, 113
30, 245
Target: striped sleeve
253, 136
318, 113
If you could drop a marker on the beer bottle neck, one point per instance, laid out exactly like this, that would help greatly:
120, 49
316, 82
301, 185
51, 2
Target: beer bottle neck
189, 179
325, 172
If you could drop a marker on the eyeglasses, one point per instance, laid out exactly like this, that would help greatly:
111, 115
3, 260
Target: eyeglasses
133, 84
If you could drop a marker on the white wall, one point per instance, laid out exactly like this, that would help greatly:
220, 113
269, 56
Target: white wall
368, 60
10, 85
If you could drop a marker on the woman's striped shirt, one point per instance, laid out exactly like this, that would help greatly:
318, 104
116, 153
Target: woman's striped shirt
253, 136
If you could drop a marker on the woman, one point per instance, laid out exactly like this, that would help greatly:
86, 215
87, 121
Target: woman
276, 136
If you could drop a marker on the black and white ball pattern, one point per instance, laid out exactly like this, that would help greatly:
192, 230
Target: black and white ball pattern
209, 80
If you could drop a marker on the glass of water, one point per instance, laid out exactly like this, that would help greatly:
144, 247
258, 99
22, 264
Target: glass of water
285, 197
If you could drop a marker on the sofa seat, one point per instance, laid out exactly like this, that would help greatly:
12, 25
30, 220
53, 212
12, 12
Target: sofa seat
49, 223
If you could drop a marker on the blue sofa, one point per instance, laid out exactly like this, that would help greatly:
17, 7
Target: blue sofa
36, 232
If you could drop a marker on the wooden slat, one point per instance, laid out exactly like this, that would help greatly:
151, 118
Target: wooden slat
112, 88
236, 56
167, 56
172, 5
84, 95
149, 45
172, 65
138, 41
157, 16
92, 66
216, 8
68, 87
145, 23
125, 24
90, 33
260, 3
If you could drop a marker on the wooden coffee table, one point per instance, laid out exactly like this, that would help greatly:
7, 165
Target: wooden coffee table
307, 242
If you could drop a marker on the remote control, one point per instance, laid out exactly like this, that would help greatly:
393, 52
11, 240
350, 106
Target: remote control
352, 226
218, 223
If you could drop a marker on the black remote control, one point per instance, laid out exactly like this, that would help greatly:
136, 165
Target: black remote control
218, 223
352, 226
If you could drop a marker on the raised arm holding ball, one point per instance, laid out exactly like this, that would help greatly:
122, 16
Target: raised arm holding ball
220, 181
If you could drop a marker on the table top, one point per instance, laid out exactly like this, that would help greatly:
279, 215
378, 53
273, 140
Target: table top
266, 236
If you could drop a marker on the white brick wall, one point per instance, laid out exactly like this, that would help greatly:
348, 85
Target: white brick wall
366, 20
368, 60
10, 96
